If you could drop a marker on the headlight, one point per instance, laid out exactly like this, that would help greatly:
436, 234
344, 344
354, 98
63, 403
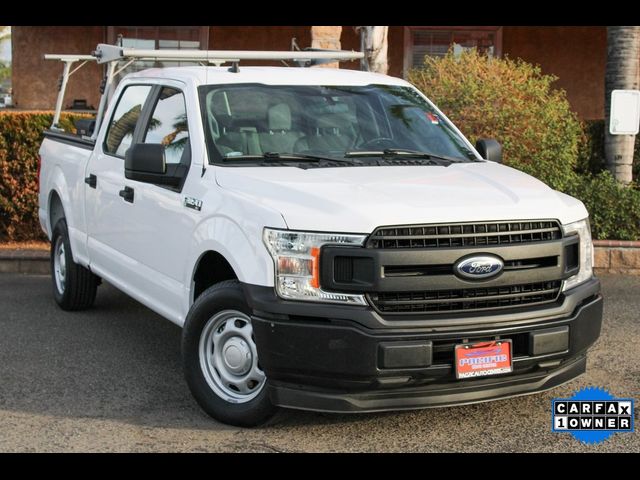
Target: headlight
296, 256
583, 229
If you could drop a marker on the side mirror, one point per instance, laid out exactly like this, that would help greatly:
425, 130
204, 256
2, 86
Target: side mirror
489, 149
145, 162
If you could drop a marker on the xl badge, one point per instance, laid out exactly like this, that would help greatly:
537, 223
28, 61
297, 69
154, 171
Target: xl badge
194, 203
479, 267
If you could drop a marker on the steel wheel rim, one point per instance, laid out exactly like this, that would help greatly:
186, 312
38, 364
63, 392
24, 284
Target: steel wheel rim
59, 265
229, 357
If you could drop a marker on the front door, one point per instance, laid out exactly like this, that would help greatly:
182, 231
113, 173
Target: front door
161, 226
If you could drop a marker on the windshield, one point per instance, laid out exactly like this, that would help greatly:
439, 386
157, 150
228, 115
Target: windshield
247, 121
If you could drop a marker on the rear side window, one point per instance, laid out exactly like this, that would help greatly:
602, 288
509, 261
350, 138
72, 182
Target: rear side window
168, 126
125, 118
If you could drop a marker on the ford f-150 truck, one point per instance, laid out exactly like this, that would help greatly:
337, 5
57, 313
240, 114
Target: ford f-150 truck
327, 239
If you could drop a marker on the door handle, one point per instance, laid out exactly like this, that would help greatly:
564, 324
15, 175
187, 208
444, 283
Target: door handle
91, 180
127, 194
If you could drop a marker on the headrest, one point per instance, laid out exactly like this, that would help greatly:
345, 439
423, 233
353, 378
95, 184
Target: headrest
279, 117
335, 120
224, 120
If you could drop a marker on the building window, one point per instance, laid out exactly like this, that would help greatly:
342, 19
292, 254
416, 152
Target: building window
159, 38
436, 42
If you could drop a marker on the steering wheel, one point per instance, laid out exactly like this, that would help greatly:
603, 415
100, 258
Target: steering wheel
378, 142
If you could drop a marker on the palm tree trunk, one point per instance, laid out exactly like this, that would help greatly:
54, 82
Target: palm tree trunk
375, 43
622, 73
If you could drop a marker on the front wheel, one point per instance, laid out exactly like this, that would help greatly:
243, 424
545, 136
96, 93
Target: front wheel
220, 358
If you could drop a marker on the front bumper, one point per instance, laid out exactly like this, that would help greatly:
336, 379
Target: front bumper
347, 359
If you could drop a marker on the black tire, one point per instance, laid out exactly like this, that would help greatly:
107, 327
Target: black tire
78, 292
224, 296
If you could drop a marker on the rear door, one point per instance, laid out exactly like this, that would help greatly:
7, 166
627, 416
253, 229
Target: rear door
110, 219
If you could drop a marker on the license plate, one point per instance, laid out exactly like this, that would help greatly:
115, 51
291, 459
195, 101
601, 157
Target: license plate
483, 359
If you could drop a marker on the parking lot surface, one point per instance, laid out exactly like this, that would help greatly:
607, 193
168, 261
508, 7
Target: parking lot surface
110, 379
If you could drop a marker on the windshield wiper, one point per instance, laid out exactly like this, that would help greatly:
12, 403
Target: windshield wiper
401, 152
294, 157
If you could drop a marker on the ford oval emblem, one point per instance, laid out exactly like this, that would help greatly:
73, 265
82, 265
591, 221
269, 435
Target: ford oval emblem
479, 267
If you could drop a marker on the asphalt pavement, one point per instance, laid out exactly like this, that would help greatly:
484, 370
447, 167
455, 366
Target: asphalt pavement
110, 380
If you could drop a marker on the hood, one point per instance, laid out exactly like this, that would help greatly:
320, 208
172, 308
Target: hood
359, 199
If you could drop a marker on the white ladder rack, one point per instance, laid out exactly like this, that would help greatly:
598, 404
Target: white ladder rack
113, 54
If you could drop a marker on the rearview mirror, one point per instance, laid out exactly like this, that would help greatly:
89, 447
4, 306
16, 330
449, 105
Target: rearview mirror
489, 149
145, 162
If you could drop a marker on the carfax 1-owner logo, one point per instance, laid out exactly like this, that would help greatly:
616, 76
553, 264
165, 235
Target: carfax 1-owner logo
592, 415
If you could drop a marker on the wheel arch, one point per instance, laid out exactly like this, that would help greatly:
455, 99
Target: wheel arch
221, 237
55, 208
211, 268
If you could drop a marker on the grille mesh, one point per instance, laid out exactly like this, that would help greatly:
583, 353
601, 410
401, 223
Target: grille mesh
468, 299
465, 234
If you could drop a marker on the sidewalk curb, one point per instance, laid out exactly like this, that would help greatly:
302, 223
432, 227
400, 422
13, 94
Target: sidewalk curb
34, 262
617, 257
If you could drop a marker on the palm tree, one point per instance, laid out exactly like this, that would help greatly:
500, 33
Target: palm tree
622, 73
179, 127
374, 42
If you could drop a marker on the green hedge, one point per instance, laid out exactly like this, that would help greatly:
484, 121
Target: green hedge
511, 101
591, 156
515, 103
614, 210
21, 134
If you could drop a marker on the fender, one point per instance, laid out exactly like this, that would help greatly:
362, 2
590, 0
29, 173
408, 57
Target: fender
77, 235
241, 247
62, 171
58, 184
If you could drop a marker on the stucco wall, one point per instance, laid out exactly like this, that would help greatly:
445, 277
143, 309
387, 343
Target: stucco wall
35, 80
577, 55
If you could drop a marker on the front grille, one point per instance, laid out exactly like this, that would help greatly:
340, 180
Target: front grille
466, 299
465, 234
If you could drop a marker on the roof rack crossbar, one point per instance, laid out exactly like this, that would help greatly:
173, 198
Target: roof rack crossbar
112, 54
108, 53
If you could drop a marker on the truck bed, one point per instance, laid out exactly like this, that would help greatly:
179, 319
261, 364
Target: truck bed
70, 139
64, 158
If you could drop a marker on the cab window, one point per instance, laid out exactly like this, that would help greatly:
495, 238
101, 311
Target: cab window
125, 119
168, 126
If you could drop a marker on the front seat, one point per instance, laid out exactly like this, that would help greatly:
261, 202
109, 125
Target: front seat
279, 137
334, 132
228, 141
236, 139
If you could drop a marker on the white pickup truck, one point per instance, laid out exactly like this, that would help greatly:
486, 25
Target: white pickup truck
327, 239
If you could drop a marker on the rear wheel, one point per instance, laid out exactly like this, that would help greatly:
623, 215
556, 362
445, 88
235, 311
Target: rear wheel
221, 361
74, 287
